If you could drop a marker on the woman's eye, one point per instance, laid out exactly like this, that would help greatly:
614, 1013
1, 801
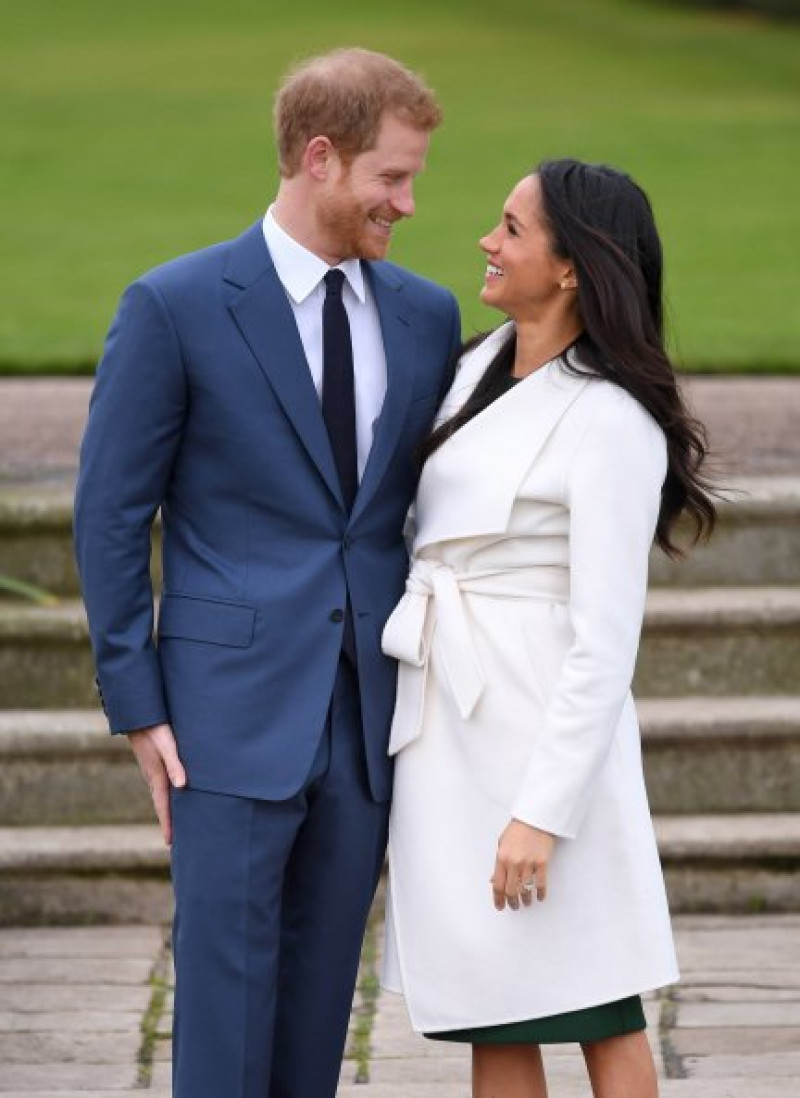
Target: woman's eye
512, 231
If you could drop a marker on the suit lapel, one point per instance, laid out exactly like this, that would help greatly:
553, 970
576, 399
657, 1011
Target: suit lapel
400, 348
264, 317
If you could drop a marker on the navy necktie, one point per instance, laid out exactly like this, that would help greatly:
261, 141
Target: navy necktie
338, 386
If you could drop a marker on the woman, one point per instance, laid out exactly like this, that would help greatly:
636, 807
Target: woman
526, 901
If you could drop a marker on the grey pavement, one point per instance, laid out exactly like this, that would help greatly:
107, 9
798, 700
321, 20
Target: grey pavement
752, 424
87, 1011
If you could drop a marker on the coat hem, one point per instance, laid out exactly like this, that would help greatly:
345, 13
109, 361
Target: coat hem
474, 1022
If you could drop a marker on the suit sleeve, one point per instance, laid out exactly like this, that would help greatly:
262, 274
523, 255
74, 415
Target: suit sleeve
455, 348
132, 436
448, 373
613, 493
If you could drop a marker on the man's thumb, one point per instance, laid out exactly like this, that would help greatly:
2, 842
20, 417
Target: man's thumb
173, 765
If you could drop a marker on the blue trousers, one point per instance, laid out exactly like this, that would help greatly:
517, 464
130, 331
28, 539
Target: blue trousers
271, 900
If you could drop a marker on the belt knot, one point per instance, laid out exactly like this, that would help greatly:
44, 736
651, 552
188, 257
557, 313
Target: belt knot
432, 603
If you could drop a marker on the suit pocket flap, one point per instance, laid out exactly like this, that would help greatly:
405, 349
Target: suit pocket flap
205, 620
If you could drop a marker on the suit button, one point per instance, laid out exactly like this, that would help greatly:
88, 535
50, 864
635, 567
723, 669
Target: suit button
337, 615
346, 543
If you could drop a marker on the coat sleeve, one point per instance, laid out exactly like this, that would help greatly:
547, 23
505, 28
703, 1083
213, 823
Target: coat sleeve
132, 436
613, 494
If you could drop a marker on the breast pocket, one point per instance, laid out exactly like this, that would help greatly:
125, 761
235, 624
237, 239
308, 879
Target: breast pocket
206, 620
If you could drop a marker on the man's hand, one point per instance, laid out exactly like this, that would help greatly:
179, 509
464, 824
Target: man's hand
157, 755
523, 854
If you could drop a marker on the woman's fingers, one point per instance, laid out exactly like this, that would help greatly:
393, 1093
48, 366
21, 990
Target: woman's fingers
541, 882
528, 887
512, 890
513, 886
498, 883
523, 855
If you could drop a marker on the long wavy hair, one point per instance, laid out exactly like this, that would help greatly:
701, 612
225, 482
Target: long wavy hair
601, 221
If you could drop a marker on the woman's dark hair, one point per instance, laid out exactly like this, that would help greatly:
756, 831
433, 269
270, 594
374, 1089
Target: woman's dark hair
602, 222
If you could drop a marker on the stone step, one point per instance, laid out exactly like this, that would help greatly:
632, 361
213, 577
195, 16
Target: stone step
62, 768
36, 538
730, 863
83, 875
735, 754
716, 641
720, 641
757, 540
45, 658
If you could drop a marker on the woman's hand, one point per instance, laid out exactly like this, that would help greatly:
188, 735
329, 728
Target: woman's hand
523, 853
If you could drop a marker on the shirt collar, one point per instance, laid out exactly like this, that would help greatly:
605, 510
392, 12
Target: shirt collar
299, 269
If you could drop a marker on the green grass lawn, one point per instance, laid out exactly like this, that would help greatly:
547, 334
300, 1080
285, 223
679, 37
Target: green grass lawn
134, 132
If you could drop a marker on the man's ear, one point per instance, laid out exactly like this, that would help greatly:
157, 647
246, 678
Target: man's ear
318, 156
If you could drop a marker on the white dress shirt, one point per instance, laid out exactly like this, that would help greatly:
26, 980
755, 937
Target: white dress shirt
301, 273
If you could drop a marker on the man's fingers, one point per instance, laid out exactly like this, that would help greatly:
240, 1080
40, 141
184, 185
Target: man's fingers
157, 755
160, 793
164, 742
174, 768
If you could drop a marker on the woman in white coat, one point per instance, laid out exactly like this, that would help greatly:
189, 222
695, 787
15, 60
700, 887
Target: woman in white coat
526, 901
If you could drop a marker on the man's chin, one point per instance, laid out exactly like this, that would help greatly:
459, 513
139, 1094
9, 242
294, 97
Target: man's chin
372, 251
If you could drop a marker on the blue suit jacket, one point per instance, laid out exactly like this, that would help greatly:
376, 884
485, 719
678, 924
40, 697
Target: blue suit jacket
204, 406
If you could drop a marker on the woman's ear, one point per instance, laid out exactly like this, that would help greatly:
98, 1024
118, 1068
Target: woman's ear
568, 279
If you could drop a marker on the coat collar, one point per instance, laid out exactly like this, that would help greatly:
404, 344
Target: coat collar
469, 485
264, 316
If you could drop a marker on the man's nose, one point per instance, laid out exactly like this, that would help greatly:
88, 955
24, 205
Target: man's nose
403, 200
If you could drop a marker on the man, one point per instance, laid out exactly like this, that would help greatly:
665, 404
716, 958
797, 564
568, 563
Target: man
269, 394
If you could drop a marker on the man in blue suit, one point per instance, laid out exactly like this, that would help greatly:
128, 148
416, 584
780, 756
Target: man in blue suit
268, 394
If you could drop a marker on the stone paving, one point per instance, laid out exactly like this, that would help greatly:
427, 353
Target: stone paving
751, 421
86, 1011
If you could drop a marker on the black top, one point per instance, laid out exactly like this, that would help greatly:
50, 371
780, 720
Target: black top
506, 382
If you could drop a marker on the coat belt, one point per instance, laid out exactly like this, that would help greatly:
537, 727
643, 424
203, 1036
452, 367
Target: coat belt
433, 601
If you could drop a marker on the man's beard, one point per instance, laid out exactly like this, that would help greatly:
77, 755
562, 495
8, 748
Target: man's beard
347, 228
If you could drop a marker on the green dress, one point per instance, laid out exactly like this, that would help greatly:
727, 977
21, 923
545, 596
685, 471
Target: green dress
592, 1024
595, 1023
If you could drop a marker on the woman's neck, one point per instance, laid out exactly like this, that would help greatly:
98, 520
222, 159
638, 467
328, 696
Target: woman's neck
538, 343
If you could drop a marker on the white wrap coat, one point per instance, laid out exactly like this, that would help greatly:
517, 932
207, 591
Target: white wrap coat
517, 639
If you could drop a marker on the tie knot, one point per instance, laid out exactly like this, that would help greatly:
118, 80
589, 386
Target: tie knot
334, 280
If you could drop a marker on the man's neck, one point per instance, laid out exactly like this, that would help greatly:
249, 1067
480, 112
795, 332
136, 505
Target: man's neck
295, 214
